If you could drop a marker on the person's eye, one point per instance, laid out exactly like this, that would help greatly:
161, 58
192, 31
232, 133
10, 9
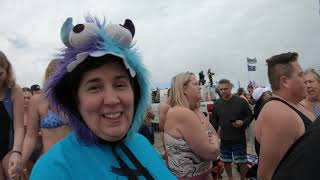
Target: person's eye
94, 88
122, 85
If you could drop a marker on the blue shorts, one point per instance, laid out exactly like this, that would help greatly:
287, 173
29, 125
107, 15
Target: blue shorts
233, 152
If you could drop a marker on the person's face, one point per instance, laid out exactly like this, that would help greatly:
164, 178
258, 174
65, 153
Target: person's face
225, 90
192, 90
313, 86
27, 96
3, 75
295, 83
106, 101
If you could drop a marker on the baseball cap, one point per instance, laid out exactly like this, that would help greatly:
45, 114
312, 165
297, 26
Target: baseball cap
258, 92
35, 87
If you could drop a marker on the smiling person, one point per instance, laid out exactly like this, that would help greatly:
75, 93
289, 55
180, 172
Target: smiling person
190, 141
102, 88
312, 82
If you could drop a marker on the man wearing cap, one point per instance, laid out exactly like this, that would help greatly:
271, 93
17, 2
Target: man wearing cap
260, 95
232, 114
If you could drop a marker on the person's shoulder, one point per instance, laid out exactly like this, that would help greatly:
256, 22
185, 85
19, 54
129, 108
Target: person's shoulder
36, 100
16, 87
164, 106
218, 104
179, 112
241, 99
15, 90
306, 103
178, 109
275, 105
218, 101
276, 112
36, 97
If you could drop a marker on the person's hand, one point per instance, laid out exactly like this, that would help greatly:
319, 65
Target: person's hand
237, 124
15, 165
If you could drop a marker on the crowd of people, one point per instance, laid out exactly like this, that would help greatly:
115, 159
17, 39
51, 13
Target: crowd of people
84, 123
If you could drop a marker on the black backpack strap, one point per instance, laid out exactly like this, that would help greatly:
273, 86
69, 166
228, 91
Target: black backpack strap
128, 172
135, 161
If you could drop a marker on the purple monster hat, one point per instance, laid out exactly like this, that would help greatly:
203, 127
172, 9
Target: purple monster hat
96, 39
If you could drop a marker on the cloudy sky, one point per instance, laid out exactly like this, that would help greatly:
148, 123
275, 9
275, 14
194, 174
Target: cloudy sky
173, 36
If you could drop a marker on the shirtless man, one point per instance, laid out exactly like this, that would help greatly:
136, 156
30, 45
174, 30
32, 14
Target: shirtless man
282, 120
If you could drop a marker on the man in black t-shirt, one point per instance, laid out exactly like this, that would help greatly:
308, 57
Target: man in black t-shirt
232, 114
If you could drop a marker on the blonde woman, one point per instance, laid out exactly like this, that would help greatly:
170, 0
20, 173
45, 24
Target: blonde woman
312, 101
42, 118
190, 140
11, 124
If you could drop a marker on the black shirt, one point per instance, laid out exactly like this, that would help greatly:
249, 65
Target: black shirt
302, 159
225, 111
4, 130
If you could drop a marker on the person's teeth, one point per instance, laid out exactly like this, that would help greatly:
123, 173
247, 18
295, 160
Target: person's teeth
112, 115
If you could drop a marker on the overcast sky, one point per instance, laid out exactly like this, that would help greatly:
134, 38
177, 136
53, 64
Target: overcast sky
173, 36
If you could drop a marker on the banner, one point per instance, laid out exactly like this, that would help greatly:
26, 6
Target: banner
251, 61
251, 64
251, 67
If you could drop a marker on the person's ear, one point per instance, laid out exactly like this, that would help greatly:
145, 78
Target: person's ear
283, 82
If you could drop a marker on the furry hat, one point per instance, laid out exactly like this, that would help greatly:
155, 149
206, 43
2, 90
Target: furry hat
95, 38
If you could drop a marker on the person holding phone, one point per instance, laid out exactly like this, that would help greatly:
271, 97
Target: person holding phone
232, 114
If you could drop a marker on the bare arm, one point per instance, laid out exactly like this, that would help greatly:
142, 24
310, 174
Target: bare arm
32, 134
278, 130
18, 123
164, 108
202, 139
15, 160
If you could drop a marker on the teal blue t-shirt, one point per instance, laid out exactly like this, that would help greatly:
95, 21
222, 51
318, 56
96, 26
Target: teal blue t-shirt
71, 160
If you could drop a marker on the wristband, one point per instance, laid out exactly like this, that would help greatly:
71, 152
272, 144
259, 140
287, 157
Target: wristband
18, 152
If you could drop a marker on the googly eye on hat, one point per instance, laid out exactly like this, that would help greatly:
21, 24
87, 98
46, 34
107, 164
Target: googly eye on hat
97, 40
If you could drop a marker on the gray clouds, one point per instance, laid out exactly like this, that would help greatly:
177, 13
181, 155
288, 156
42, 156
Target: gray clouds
172, 36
